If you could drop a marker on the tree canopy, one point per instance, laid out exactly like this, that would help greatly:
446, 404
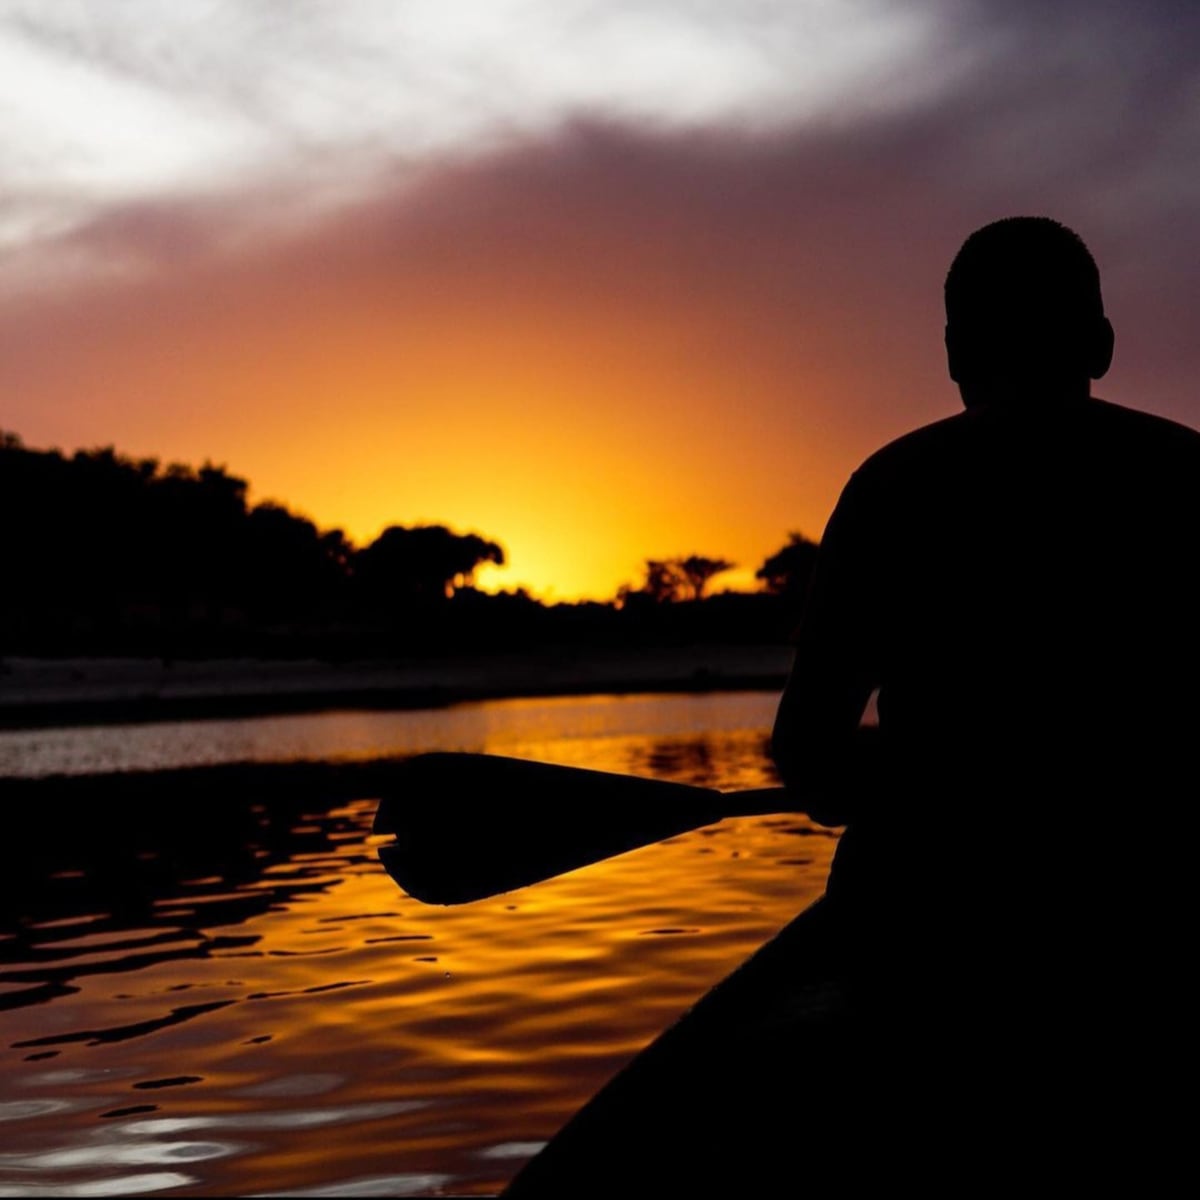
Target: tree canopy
113, 550
426, 562
788, 570
668, 580
105, 553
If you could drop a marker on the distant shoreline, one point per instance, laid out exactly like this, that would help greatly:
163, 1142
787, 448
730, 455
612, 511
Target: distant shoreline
50, 693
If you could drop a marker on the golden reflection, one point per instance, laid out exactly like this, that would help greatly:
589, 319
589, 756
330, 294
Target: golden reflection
305, 991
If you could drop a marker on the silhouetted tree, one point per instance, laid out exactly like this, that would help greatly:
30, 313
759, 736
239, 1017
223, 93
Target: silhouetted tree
672, 579
664, 582
288, 571
697, 571
788, 570
197, 526
103, 553
337, 550
424, 564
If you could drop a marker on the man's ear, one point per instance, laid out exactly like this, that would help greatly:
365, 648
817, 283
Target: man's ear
1100, 351
953, 352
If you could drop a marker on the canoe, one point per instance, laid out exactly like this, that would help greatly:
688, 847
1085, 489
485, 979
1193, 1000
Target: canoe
699, 1110
776, 1083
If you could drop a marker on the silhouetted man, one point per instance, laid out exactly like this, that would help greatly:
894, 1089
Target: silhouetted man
1019, 582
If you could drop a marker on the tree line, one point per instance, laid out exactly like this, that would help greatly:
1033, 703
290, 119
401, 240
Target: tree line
104, 553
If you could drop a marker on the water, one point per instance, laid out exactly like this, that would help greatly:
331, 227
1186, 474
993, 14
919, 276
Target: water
550, 728
251, 1005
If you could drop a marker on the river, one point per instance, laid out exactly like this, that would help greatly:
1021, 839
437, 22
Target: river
253, 1006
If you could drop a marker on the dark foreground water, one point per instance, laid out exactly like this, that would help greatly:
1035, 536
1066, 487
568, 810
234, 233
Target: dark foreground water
244, 1002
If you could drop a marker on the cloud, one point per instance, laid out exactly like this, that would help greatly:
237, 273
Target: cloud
136, 100
1077, 110
824, 248
680, 335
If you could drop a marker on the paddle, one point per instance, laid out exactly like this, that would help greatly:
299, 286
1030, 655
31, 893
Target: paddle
469, 826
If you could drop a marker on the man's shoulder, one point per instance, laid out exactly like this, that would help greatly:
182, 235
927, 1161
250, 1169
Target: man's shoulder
916, 447
1138, 421
1128, 430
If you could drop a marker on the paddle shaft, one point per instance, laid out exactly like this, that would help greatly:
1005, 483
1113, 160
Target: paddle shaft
757, 802
468, 826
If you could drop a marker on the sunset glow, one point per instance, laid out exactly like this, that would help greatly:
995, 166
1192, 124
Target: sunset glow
653, 288
399, 400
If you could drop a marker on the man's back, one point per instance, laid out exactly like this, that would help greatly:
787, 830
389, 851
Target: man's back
1021, 585
1033, 582
1015, 885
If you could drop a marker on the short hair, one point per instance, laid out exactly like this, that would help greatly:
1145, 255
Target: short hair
1027, 284
1023, 262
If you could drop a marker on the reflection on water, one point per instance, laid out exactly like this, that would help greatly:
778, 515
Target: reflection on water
496, 726
235, 998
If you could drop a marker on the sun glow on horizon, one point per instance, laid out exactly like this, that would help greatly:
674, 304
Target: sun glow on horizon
652, 287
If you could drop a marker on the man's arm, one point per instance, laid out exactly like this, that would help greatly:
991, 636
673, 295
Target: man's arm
814, 743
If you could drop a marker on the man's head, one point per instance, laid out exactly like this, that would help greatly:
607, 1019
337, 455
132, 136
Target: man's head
1024, 314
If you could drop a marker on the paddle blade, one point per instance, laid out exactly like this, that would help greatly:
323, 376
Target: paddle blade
468, 826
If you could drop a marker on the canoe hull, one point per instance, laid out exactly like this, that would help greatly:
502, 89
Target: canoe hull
784, 1079
698, 1110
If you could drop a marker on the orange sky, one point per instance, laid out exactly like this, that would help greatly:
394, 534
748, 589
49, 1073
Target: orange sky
596, 344
559, 379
